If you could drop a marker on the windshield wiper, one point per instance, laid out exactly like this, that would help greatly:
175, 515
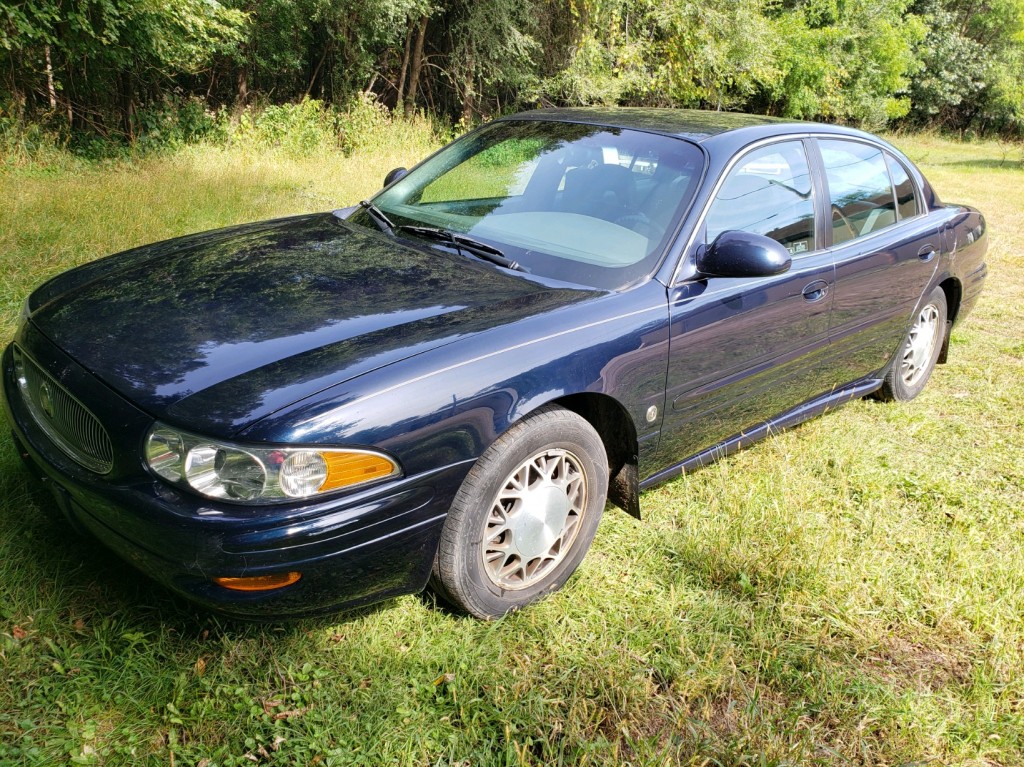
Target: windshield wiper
378, 217
462, 242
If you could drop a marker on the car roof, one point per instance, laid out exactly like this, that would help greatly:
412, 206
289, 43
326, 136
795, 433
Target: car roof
692, 124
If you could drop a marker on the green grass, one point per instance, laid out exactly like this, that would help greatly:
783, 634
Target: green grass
849, 592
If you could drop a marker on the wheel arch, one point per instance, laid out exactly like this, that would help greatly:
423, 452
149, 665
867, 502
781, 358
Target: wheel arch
954, 294
618, 433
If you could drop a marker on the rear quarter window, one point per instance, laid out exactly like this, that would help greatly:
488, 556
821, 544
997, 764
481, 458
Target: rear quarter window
906, 194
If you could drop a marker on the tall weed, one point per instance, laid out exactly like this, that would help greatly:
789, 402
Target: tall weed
306, 129
24, 144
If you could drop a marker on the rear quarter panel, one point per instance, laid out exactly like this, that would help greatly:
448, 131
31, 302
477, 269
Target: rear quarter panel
967, 243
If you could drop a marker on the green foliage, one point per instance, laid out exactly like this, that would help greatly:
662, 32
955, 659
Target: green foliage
836, 66
94, 64
178, 122
22, 143
296, 129
955, 69
715, 53
972, 60
366, 126
327, 49
492, 49
1004, 109
813, 59
597, 73
165, 72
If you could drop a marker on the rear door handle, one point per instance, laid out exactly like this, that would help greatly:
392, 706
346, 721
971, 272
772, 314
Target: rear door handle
816, 291
927, 253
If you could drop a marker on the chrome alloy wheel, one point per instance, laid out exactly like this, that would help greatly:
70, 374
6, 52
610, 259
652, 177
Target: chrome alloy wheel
921, 342
534, 519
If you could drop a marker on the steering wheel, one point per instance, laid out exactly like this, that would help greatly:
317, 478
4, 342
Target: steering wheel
640, 224
846, 222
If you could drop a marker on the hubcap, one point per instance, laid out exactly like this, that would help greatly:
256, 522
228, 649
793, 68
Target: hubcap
917, 354
534, 519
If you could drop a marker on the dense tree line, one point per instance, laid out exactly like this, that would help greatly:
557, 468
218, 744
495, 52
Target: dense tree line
107, 66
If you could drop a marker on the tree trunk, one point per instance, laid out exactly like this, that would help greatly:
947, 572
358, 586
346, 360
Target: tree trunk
243, 86
417, 65
316, 71
468, 92
369, 86
405, 65
50, 89
127, 88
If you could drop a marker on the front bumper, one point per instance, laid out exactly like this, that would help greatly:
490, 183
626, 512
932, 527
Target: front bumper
351, 549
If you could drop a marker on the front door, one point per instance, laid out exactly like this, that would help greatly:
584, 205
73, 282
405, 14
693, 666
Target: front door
745, 349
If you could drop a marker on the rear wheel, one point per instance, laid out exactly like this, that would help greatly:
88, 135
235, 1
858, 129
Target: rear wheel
524, 517
913, 365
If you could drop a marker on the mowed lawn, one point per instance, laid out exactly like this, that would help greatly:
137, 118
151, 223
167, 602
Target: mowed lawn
850, 592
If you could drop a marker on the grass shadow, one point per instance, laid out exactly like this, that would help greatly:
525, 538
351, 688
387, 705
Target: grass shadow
985, 165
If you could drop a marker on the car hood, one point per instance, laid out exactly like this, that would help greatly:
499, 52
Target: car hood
218, 330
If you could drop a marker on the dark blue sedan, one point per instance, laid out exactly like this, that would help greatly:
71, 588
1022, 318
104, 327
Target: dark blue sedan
445, 384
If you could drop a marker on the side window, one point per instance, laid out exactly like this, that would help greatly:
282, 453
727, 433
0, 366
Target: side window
768, 192
860, 190
906, 197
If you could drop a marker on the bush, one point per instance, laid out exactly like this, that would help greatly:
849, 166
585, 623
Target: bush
309, 127
175, 123
295, 129
298, 130
366, 125
29, 144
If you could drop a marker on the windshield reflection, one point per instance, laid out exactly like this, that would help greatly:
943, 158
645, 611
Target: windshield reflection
583, 203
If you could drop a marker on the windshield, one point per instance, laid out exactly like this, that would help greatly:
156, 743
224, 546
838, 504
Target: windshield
586, 204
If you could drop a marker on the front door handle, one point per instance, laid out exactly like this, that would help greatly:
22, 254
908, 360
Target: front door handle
816, 291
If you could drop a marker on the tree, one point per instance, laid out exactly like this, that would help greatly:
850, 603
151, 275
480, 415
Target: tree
972, 59
838, 67
101, 59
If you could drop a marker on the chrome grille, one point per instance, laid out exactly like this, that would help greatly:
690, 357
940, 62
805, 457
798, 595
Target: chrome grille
65, 420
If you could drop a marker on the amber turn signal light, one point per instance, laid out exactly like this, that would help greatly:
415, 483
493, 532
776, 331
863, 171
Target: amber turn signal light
259, 582
350, 468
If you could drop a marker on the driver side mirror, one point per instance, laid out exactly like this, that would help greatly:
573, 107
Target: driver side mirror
394, 175
743, 254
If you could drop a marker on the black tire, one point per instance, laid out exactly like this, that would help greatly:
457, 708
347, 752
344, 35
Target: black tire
498, 554
918, 353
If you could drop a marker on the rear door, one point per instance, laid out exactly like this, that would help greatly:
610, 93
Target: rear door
885, 250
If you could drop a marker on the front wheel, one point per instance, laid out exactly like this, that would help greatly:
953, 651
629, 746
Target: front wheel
524, 516
913, 365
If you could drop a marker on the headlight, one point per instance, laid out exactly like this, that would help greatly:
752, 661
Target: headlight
19, 370
248, 474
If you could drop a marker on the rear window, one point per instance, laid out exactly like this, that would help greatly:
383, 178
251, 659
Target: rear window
860, 190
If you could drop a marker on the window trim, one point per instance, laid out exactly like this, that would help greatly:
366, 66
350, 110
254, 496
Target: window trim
918, 193
918, 202
687, 253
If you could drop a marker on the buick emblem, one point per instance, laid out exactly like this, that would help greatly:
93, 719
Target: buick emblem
45, 400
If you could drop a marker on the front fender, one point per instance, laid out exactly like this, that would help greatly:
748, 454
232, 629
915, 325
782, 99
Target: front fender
450, 404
